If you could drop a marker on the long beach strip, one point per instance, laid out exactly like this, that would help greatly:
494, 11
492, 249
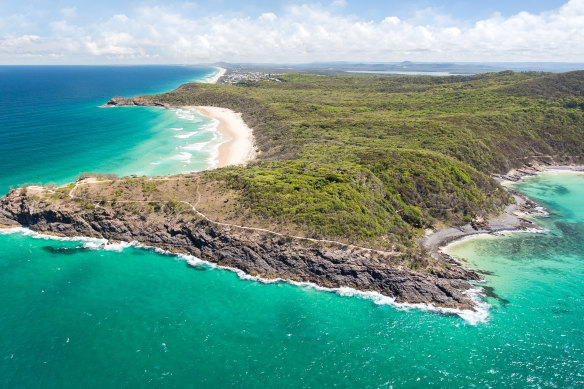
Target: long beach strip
238, 147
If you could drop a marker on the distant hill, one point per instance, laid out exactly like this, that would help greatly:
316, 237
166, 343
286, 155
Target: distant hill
409, 66
563, 85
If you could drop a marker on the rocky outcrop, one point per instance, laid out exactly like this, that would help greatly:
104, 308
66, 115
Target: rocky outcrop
255, 252
138, 101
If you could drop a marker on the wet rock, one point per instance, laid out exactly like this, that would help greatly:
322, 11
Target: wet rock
258, 253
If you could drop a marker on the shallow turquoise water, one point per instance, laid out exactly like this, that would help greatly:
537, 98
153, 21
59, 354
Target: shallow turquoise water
52, 129
539, 279
73, 316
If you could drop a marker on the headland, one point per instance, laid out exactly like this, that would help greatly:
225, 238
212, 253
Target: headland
350, 173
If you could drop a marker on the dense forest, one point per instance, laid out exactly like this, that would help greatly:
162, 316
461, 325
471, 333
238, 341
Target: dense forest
381, 158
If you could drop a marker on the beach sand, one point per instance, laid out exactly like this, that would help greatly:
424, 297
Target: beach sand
238, 149
217, 76
515, 217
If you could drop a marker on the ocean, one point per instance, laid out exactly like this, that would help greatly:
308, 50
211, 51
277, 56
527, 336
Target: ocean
76, 314
52, 128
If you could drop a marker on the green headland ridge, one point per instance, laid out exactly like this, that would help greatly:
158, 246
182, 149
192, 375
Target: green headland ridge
351, 172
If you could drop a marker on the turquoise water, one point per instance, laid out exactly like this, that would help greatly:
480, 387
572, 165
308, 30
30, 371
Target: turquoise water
77, 314
539, 279
52, 129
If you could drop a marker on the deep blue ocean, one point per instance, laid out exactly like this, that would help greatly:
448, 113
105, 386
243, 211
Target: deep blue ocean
76, 316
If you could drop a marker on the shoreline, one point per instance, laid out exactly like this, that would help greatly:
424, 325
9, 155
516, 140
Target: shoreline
238, 147
515, 175
216, 77
471, 316
515, 218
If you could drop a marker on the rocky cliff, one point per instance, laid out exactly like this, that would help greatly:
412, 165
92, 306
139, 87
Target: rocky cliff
255, 252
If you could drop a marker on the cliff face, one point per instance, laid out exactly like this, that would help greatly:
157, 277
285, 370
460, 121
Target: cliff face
255, 252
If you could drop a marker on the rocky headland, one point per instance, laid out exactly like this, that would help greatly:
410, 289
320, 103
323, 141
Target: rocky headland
68, 211
349, 173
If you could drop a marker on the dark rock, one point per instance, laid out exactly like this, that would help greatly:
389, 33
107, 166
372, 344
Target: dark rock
257, 253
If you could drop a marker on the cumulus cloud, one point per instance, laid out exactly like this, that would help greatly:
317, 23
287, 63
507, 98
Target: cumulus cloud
304, 33
23, 45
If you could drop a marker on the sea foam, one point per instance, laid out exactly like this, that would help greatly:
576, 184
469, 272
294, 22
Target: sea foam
206, 150
187, 135
106, 246
480, 315
472, 317
37, 235
196, 146
183, 156
185, 114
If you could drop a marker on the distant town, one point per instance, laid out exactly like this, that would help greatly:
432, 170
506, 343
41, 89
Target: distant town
240, 76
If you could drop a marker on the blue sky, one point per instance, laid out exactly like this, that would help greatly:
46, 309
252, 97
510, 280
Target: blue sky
107, 31
367, 9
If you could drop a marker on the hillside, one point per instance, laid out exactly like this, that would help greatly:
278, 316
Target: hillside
361, 158
351, 171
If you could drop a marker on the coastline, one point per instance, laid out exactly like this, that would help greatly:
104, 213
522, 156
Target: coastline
216, 77
515, 175
512, 220
478, 314
515, 218
238, 147
237, 247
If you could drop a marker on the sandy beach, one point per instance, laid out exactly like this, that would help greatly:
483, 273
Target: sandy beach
217, 76
516, 217
238, 149
513, 219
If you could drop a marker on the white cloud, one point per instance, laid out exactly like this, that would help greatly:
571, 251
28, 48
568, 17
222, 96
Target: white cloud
432, 17
19, 41
269, 16
113, 44
305, 33
22, 45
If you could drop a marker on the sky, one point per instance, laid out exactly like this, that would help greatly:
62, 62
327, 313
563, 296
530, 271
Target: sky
262, 31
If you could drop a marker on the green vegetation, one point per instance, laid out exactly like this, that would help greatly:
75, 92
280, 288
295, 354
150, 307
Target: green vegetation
98, 176
367, 158
149, 186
